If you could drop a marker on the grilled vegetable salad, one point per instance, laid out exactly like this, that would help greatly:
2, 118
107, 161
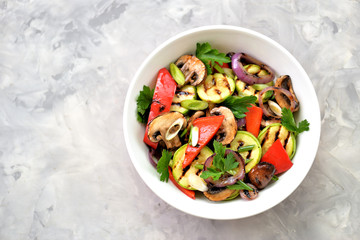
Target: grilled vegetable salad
220, 124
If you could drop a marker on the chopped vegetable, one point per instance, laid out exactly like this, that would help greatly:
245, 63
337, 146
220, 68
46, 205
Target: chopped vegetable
253, 120
187, 192
209, 56
287, 120
208, 126
220, 164
163, 165
193, 104
163, 95
176, 73
277, 156
239, 105
143, 102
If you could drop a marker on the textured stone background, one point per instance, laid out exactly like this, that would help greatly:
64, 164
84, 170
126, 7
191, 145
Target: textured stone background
64, 71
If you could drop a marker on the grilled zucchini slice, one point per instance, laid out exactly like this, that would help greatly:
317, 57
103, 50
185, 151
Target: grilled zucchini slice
187, 92
277, 131
244, 89
216, 88
181, 174
243, 139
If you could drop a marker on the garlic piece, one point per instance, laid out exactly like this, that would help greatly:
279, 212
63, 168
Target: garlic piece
275, 107
197, 182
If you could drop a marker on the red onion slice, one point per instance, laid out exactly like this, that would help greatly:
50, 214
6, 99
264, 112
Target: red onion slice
246, 77
241, 122
227, 179
152, 159
290, 103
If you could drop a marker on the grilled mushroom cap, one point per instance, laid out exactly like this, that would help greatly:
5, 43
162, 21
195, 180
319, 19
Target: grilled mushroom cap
193, 69
285, 82
165, 127
228, 128
218, 194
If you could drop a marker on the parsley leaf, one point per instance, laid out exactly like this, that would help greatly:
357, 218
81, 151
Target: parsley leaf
209, 56
239, 105
211, 172
288, 121
163, 165
230, 162
143, 102
220, 164
240, 185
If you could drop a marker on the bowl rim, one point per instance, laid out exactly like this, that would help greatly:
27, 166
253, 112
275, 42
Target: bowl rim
128, 99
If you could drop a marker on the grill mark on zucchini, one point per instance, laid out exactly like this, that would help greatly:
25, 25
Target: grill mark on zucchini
180, 93
277, 133
227, 84
184, 172
265, 138
187, 168
218, 91
286, 139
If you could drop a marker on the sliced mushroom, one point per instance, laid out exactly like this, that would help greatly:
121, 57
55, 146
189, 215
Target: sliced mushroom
193, 69
218, 194
228, 127
267, 122
165, 127
249, 195
261, 174
285, 82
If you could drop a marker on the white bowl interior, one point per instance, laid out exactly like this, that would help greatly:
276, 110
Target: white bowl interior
226, 39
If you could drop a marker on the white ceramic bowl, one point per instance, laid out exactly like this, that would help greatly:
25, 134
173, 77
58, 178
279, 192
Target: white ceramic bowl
225, 39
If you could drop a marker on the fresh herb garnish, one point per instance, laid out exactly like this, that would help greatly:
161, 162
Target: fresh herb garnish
209, 56
143, 103
163, 165
240, 185
239, 105
220, 164
288, 121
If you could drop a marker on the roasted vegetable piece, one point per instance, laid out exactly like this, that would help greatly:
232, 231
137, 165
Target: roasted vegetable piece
193, 69
253, 120
277, 156
248, 194
274, 132
261, 174
208, 126
285, 82
163, 95
184, 93
187, 192
216, 88
165, 127
238, 61
251, 156
228, 127
226, 178
184, 176
219, 194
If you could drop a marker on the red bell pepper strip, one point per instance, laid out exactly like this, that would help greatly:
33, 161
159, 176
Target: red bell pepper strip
253, 120
163, 95
187, 192
208, 126
224, 65
277, 156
